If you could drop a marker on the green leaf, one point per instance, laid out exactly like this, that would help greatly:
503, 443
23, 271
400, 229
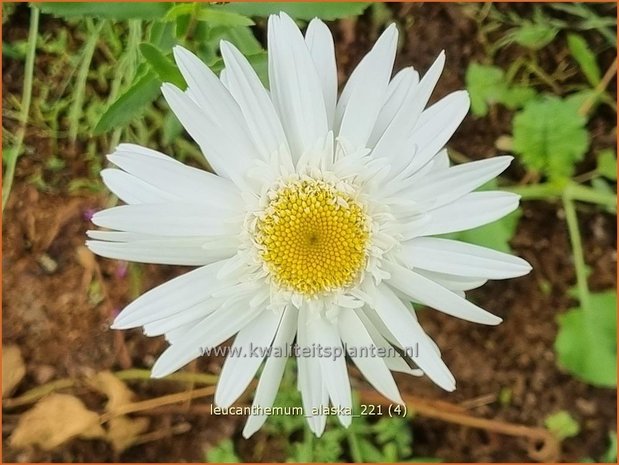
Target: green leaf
131, 104
223, 18
105, 10
585, 57
562, 425
550, 136
610, 456
298, 10
162, 65
179, 9
486, 85
586, 344
161, 35
242, 37
534, 35
222, 453
607, 164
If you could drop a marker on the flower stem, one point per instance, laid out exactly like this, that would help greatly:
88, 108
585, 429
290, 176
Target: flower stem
353, 443
13, 154
579, 257
575, 191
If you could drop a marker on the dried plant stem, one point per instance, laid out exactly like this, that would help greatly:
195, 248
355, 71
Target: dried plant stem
38, 392
599, 89
158, 402
549, 444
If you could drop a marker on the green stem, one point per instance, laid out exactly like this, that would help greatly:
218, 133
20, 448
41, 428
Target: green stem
574, 191
126, 72
579, 257
25, 105
355, 450
82, 76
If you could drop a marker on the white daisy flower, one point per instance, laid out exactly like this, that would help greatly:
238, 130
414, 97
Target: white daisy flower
318, 224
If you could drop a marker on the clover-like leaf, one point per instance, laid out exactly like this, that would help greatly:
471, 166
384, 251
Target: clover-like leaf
550, 136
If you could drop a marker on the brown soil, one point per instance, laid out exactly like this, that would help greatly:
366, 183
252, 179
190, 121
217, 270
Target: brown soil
62, 328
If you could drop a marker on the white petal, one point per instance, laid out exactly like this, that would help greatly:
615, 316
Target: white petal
273, 371
205, 88
443, 186
216, 328
460, 258
168, 219
192, 251
130, 189
314, 394
453, 282
250, 347
426, 86
333, 368
295, 86
177, 181
366, 94
245, 86
221, 144
320, 44
193, 314
429, 293
401, 84
171, 297
382, 337
436, 125
178, 333
409, 334
394, 142
470, 211
355, 336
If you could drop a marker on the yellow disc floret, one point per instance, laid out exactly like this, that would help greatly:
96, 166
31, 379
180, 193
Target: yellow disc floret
312, 237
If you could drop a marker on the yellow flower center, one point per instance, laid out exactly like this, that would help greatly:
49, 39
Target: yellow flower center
313, 237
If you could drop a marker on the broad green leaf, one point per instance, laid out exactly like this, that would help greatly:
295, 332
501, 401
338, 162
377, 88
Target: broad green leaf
586, 344
585, 57
550, 136
486, 85
162, 35
223, 18
297, 10
105, 10
214, 16
534, 35
562, 425
242, 37
179, 9
607, 164
131, 104
162, 65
